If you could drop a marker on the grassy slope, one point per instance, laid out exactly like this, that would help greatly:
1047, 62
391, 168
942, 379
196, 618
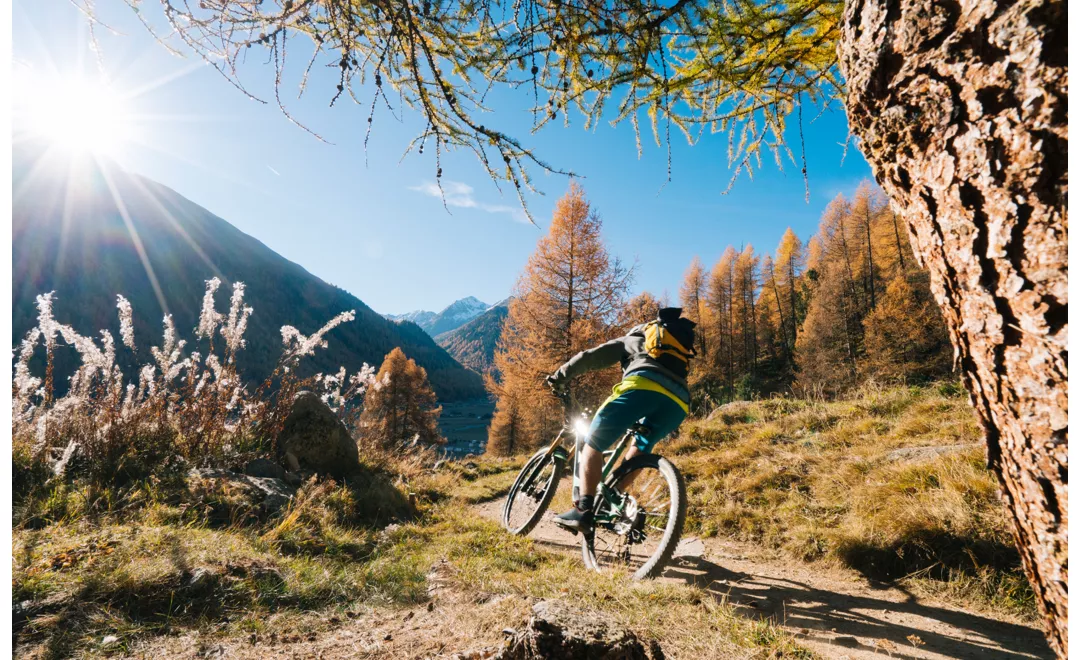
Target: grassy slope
163, 560
854, 483
814, 480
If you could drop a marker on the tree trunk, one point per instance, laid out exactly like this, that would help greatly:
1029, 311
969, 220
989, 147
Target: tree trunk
961, 110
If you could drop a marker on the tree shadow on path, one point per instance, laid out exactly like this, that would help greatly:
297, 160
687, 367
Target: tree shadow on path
849, 621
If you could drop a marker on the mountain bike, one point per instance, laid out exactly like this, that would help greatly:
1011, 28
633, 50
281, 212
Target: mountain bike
640, 505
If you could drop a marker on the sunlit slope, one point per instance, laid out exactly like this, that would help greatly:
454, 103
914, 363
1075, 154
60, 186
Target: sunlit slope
90, 231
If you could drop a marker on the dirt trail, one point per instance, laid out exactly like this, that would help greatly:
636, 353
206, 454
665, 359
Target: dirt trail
836, 613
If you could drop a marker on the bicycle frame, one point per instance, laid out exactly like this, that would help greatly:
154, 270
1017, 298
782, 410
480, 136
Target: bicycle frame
613, 455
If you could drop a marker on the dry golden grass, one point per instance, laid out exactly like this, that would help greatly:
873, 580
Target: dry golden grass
825, 481
155, 560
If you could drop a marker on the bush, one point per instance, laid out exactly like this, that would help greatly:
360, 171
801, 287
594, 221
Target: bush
185, 408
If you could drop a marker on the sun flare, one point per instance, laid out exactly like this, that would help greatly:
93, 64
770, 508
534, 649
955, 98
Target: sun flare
79, 114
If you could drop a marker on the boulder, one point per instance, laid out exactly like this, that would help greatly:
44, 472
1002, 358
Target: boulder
264, 467
735, 412
316, 439
557, 630
259, 494
918, 454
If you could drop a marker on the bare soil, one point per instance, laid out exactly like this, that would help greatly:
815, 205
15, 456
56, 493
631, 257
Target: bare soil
834, 612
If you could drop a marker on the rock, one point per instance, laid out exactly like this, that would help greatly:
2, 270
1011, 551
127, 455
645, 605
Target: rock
109, 640
557, 630
264, 467
736, 412
261, 493
916, 454
846, 640
317, 439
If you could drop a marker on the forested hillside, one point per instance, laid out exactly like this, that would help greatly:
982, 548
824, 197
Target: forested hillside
92, 234
817, 318
473, 344
850, 305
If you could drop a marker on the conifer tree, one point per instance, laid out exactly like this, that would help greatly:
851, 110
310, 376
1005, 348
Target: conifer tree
403, 410
790, 259
906, 338
692, 299
569, 298
642, 308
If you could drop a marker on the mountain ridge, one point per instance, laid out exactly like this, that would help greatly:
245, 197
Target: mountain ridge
451, 317
473, 344
72, 236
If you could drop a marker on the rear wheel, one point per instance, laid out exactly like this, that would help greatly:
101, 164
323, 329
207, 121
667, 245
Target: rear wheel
531, 493
641, 533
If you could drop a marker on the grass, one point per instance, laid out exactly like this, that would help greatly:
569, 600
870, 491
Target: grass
840, 482
856, 483
161, 558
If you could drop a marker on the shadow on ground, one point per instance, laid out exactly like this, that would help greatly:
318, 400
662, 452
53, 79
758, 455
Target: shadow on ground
839, 619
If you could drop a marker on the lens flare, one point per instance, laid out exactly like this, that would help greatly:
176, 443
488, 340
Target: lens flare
77, 113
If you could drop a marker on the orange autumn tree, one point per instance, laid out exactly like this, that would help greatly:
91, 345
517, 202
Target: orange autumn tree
402, 410
569, 298
642, 308
905, 334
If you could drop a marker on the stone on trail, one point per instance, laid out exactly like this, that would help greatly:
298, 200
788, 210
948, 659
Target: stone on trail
317, 439
557, 630
264, 467
259, 493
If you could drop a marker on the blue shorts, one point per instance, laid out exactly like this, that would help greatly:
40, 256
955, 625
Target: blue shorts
653, 409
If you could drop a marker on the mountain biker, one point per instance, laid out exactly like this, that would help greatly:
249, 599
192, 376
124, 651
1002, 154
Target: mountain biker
654, 358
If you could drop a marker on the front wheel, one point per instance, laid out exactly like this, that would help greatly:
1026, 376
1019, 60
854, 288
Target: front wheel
532, 492
638, 527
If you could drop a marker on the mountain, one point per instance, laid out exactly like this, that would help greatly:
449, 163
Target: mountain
72, 235
419, 317
454, 316
473, 344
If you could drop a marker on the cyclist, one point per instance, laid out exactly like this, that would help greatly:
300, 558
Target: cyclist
654, 358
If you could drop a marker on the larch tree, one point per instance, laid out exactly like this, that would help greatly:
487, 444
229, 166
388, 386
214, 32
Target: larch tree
403, 411
642, 308
568, 299
790, 261
905, 335
866, 208
692, 299
721, 329
960, 108
745, 316
772, 309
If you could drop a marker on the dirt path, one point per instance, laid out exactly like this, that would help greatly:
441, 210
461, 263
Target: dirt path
836, 613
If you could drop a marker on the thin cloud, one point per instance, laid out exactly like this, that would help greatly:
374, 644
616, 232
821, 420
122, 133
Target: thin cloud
273, 170
460, 195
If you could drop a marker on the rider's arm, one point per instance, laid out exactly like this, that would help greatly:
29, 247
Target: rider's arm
602, 356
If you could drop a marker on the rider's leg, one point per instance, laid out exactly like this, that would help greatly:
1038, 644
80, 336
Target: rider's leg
608, 425
592, 466
664, 418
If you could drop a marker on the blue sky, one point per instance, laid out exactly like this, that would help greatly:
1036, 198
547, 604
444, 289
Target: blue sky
373, 228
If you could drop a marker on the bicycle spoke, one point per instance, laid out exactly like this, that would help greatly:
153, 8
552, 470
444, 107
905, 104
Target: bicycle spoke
527, 499
629, 538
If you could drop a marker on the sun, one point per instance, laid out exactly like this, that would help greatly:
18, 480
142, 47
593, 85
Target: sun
76, 113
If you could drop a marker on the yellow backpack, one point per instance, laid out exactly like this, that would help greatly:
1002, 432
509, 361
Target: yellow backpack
670, 341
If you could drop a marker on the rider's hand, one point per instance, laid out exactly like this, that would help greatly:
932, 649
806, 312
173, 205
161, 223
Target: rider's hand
556, 385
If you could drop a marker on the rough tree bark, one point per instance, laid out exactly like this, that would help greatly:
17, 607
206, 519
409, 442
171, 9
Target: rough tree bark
961, 110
